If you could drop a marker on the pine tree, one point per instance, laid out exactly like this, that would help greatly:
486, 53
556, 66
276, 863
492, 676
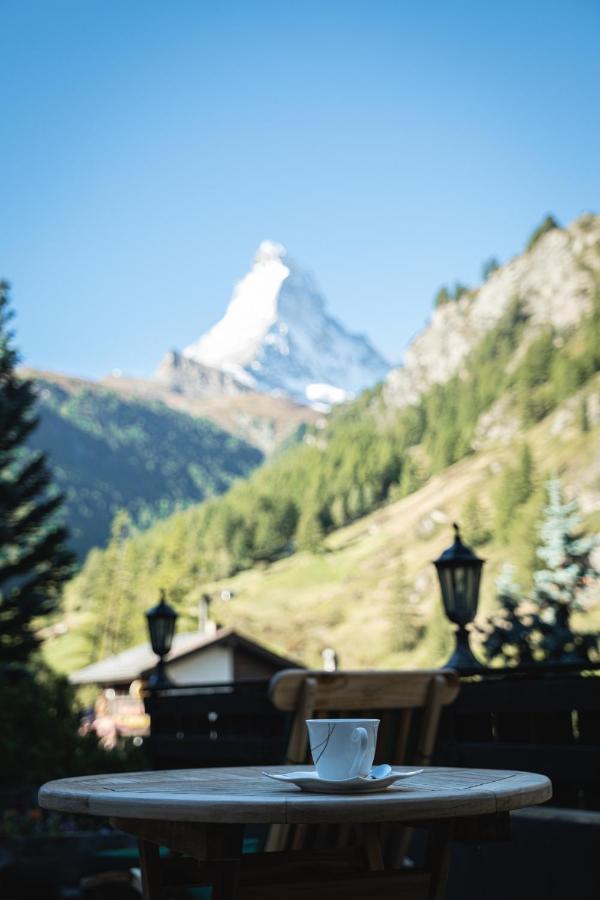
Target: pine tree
559, 588
442, 297
489, 267
548, 224
538, 628
509, 635
34, 559
584, 418
474, 524
564, 549
115, 619
516, 487
310, 531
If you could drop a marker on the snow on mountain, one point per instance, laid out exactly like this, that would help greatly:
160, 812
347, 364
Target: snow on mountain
277, 337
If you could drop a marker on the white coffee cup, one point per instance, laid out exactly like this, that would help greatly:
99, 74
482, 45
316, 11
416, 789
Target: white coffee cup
342, 748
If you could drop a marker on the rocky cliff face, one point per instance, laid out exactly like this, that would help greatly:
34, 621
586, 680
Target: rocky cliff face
184, 375
555, 280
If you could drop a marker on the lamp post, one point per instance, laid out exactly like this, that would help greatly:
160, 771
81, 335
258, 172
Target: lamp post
161, 625
459, 573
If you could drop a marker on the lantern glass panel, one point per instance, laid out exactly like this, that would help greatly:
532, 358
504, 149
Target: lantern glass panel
462, 596
447, 587
460, 591
466, 592
162, 629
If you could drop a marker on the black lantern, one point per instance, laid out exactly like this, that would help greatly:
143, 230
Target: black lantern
459, 572
161, 625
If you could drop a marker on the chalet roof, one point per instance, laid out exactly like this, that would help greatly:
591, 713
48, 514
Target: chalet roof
137, 662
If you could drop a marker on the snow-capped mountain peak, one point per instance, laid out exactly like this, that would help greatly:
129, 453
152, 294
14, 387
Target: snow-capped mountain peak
276, 337
269, 251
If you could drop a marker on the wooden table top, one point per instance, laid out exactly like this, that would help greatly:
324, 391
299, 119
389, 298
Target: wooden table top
244, 795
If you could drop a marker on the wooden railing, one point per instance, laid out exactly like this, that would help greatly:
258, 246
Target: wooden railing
541, 720
226, 724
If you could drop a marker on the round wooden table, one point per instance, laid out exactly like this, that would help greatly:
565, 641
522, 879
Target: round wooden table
201, 812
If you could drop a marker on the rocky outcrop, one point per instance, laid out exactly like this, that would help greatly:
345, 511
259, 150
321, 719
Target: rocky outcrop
555, 281
182, 375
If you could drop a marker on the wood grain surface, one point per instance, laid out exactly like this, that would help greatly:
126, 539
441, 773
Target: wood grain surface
244, 795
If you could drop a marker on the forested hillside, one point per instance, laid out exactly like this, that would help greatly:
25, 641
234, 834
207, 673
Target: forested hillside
367, 456
493, 413
110, 454
366, 451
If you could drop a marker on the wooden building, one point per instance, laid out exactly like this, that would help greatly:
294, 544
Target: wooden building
195, 658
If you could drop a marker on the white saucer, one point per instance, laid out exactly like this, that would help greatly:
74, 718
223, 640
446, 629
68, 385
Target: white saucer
379, 778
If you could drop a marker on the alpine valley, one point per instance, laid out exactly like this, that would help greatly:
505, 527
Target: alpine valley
329, 542
274, 364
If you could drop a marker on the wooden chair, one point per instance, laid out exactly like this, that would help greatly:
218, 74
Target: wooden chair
409, 705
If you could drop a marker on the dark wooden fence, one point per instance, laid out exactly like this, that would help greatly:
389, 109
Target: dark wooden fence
229, 724
542, 721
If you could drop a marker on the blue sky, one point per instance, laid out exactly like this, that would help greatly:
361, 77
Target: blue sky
146, 148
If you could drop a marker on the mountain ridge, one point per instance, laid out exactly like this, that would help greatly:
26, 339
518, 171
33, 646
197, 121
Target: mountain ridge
556, 280
182, 384
109, 452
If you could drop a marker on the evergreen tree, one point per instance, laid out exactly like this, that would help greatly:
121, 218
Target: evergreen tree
539, 629
566, 553
310, 531
474, 524
275, 526
510, 635
118, 615
34, 559
442, 297
516, 487
412, 477
489, 267
548, 224
584, 419
591, 335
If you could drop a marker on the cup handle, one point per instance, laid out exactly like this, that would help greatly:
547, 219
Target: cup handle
359, 736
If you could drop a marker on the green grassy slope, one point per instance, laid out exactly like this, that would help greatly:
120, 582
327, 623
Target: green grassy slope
108, 453
372, 594
305, 542
370, 591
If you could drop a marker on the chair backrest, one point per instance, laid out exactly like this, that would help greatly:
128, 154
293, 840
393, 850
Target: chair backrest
393, 695
396, 698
